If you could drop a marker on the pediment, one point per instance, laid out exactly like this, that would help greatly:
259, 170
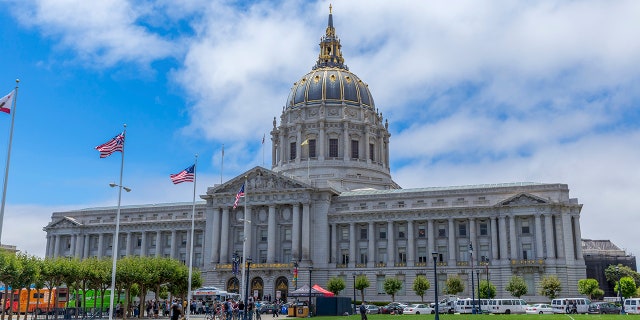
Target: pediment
259, 180
65, 222
523, 199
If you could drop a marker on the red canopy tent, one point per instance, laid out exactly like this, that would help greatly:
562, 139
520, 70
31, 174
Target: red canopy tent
324, 291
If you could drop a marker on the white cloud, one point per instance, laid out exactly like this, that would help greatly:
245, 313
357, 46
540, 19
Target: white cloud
479, 91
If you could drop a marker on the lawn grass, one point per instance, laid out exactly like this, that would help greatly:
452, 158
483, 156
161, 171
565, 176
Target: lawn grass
477, 317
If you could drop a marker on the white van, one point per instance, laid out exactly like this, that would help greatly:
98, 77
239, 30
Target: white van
466, 305
566, 305
507, 306
632, 305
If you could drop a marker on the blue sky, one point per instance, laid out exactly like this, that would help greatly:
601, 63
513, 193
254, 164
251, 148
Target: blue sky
475, 92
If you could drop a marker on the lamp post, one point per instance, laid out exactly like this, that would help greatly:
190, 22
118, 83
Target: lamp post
473, 294
295, 275
354, 293
246, 290
435, 280
310, 270
479, 301
486, 265
620, 290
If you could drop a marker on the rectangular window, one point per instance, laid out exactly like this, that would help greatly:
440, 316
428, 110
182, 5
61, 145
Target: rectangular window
484, 229
442, 253
402, 231
363, 233
525, 227
263, 256
263, 235
462, 229
354, 149
364, 255
139, 242
422, 231
422, 254
199, 239
312, 148
286, 255
292, 151
483, 253
526, 251
442, 231
382, 232
371, 152
287, 234
382, 255
345, 233
345, 256
333, 148
463, 253
402, 255
380, 284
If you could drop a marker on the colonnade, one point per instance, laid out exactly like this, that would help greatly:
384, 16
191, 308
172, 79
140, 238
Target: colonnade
552, 236
139, 243
220, 223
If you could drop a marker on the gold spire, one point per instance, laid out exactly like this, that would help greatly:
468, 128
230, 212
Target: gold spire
329, 8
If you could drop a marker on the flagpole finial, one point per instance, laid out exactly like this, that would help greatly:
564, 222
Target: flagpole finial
124, 125
17, 81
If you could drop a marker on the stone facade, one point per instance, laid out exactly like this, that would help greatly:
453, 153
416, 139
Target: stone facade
329, 208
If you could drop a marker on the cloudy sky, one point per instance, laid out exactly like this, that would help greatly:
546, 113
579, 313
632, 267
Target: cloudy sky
475, 92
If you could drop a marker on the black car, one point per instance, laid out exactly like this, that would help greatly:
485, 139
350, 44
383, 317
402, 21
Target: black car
603, 307
393, 307
268, 308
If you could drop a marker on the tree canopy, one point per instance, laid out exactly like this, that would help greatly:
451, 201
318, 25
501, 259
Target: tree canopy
517, 286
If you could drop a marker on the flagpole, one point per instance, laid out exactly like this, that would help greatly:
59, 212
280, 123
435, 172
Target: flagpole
114, 249
6, 169
193, 219
244, 237
222, 164
263, 150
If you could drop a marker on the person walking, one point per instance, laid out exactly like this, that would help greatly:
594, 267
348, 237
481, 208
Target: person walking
363, 311
176, 310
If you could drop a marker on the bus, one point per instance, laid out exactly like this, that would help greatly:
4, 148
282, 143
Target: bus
92, 300
41, 301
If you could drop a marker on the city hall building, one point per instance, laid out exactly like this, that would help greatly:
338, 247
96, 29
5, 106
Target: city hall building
329, 207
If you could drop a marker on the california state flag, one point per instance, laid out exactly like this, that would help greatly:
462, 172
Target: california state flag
6, 102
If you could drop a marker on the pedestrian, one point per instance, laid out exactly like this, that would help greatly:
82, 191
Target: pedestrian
363, 311
176, 310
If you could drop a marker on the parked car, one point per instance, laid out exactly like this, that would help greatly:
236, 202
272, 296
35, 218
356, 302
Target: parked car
603, 307
393, 307
418, 308
268, 308
539, 308
372, 309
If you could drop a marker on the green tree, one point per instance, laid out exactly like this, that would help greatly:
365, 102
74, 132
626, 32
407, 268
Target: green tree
588, 287
487, 290
392, 286
453, 285
550, 287
628, 286
362, 282
335, 285
28, 276
516, 286
10, 271
612, 275
420, 286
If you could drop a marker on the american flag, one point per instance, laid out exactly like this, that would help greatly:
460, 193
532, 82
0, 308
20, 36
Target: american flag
186, 175
111, 146
238, 196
